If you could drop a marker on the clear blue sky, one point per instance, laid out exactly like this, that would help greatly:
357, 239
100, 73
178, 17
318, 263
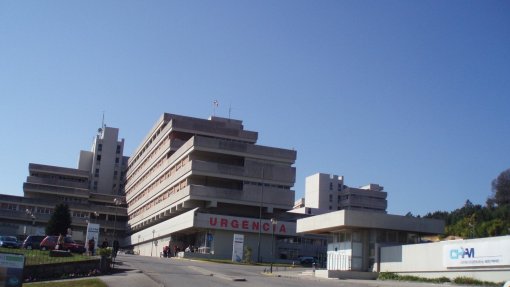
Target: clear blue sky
413, 95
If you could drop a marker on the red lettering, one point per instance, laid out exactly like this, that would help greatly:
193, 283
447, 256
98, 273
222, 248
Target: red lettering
265, 226
282, 229
245, 224
213, 221
255, 225
223, 222
234, 223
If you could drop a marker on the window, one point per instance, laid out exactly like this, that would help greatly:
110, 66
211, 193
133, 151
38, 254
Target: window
330, 186
98, 157
100, 147
330, 198
117, 160
118, 149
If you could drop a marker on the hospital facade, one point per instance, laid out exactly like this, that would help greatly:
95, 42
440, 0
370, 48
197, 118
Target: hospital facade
195, 182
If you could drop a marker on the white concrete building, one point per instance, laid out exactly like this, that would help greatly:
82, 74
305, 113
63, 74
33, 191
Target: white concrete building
105, 162
196, 182
355, 238
325, 193
91, 191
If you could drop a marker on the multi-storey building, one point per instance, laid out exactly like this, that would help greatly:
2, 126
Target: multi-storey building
48, 185
326, 193
105, 162
196, 182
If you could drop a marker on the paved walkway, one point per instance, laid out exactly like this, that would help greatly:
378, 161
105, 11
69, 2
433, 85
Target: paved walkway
132, 278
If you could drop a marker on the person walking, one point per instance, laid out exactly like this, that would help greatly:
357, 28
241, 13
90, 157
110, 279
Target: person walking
105, 243
60, 242
115, 248
91, 245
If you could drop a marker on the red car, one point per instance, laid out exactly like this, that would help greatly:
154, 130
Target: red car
50, 242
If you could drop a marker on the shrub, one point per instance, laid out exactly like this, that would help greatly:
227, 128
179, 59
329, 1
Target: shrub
472, 281
104, 252
388, 276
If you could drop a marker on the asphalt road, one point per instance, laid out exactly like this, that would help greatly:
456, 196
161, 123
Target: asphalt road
170, 272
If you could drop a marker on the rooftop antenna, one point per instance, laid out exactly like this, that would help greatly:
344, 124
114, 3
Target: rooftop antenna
215, 105
229, 110
100, 130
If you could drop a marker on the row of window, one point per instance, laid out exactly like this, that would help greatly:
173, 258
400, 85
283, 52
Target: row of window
173, 169
173, 189
59, 177
33, 209
154, 153
137, 157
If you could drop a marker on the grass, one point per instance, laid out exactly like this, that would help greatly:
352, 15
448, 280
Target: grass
458, 280
36, 257
90, 282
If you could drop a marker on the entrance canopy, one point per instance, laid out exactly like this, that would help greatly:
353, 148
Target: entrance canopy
351, 219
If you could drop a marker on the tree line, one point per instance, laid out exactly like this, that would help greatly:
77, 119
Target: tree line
475, 220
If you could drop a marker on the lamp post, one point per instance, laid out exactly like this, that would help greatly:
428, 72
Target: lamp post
117, 202
96, 215
32, 216
152, 246
273, 223
139, 244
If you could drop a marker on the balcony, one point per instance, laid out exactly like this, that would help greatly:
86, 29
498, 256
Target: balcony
256, 151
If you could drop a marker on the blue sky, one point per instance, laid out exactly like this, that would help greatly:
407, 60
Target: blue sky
413, 95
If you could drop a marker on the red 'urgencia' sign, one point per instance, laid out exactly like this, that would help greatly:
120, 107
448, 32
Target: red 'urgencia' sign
249, 225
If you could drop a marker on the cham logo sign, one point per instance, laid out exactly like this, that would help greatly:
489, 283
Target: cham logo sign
462, 253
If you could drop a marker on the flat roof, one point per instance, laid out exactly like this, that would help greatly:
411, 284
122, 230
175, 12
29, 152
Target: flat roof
351, 219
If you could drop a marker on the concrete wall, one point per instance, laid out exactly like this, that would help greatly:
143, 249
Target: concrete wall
428, 260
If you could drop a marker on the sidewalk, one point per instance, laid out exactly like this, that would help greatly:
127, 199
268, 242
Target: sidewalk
131, 278
126, 275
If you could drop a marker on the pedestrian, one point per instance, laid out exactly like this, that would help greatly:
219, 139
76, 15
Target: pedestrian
105, 243
60, 242
91, 245
115, 248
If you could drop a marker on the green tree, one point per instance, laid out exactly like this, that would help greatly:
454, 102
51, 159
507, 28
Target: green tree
501, 189
60, 220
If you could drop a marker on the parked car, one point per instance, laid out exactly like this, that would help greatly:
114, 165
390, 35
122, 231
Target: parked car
33, 242
50, 242
9, 242
307, 260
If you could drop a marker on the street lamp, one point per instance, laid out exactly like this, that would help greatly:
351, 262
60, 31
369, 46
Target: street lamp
139, 244
96, 215
117, 202
32, 216
152, 246
273, 223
